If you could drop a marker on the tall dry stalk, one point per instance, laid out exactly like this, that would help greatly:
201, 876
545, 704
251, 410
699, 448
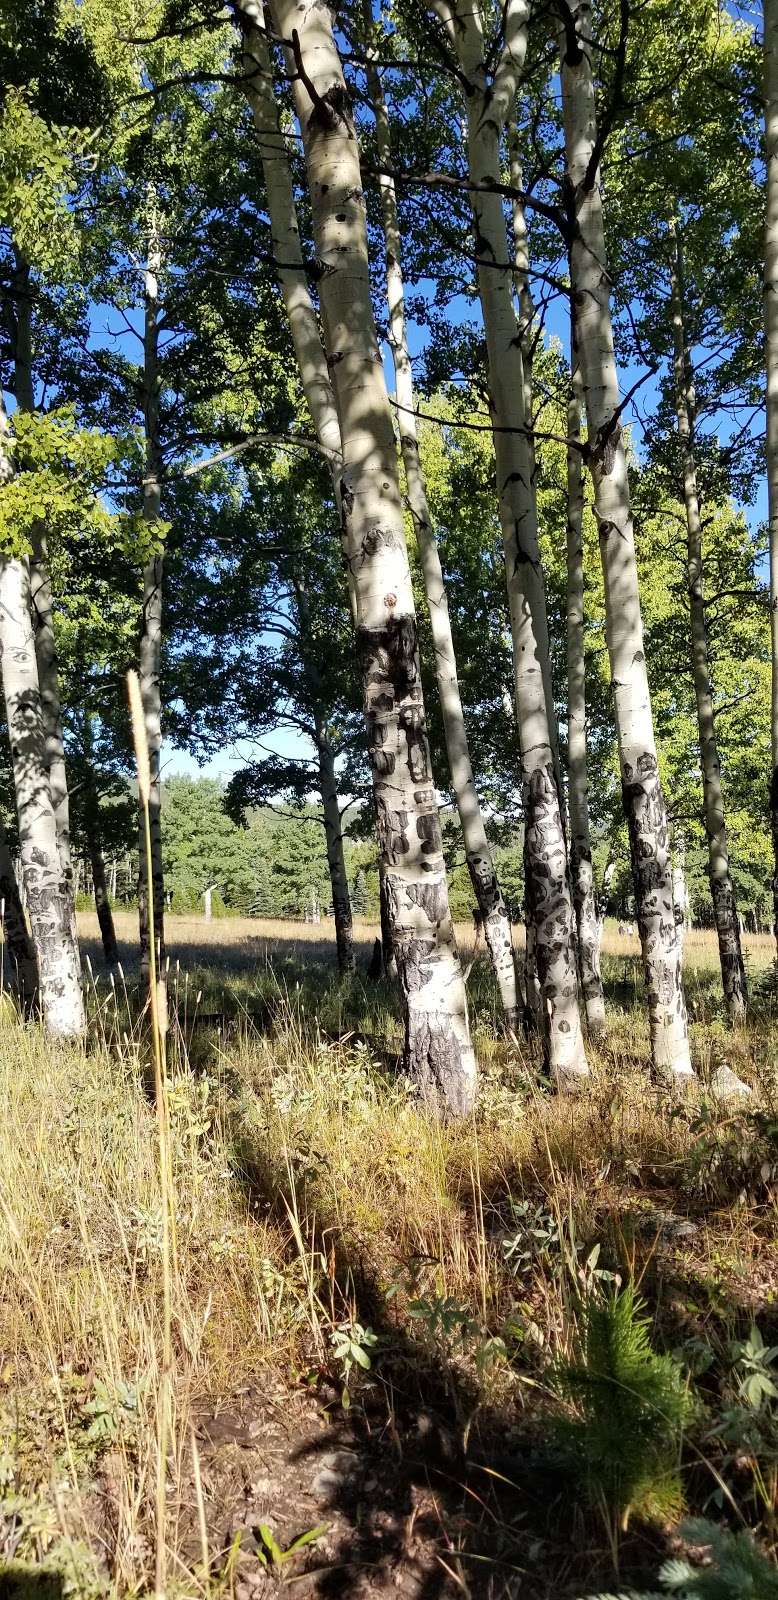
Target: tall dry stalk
158, 1008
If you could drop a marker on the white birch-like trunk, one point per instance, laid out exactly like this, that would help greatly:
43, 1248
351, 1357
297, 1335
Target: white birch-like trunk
581, 868
488, 104
59, 966
438, 1051
301, 313
20, 963
643, 800
680, 891
152, 898
771, 354
42, 603
61, 999
733, 972
478, 854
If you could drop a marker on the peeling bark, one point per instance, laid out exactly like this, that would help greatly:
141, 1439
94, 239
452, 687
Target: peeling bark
733, 972
488, 105
150, 648
489, 899
581, 869
771, 352
438, 1051
643, 801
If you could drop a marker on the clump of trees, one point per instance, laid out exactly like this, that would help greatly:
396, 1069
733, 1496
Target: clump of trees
511, 607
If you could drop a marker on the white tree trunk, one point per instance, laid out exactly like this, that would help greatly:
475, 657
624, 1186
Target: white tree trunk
42, 604
438, 1051
150, 651
480, 863
771, 351
488, 103
581, 868
257, 71
733, 972
643, 800
58, 963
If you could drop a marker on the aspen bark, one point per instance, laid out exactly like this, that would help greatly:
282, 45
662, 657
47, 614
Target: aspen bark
301, 313
438, 1052
733, 973
488, 103
42, 604
643, 800
771, 354
58, 964
581, 869
480, 863
150, 649
19, 948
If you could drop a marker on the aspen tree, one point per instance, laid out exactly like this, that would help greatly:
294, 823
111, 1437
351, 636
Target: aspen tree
581, 869
771, 354
59, 969
150, 647
643, 800
489, 101
42, 603
489, 899
438, 1052
733, 975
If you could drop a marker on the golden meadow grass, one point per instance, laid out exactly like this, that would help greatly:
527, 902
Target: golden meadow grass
305, 1181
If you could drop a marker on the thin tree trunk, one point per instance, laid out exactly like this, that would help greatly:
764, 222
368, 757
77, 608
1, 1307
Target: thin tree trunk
488, 103
771, 352
19, 948
581, 868
256, 68
103, 905
336, 860
733, 973
328, 785
91, 812
680, 893
42, 603
388, 958
438, 1052
150, 651
480, 863
643, 800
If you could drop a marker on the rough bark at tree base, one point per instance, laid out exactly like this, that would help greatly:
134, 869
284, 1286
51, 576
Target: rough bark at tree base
733, 972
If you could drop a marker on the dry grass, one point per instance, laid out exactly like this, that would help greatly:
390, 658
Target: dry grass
311, 1195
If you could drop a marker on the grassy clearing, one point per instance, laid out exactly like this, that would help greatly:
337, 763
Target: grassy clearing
350, 1276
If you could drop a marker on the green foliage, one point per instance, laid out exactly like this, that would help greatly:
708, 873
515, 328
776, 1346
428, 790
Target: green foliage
631, 1408
734, 1569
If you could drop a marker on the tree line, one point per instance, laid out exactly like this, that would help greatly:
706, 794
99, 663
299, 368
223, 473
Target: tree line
401, 374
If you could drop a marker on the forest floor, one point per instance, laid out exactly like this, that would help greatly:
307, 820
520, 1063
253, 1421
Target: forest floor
372, 1315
